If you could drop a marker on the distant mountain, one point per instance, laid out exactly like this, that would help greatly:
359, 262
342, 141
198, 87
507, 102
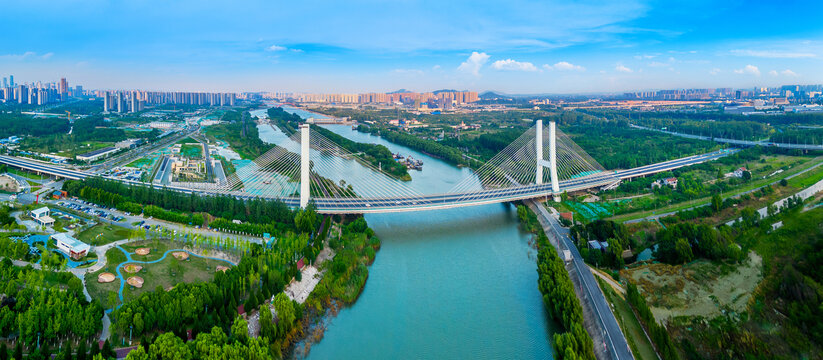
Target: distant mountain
488, 95
445, 90
398, 91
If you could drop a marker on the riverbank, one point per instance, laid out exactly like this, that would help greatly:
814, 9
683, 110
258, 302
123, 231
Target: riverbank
352, 250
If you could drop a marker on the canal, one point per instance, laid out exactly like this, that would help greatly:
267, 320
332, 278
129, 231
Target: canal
447, 284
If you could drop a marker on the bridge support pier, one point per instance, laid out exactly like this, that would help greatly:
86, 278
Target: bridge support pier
305, 165
553, 160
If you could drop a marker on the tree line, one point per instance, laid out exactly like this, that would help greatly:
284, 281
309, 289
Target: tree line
573, 342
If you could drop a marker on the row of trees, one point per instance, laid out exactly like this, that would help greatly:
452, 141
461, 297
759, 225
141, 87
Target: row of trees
661, 338
573, 342
227, 207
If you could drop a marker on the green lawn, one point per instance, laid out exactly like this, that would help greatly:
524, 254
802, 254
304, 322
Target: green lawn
807, 179
191, 151
114, 257
102, 234
641, 347
158, 247
140, 163
27, 174
170, 272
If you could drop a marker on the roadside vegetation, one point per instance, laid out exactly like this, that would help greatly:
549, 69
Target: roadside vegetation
573, 342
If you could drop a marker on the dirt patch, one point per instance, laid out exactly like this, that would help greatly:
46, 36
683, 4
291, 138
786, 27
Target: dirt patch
142, 251
132, 268
105, 277
135, 281
701, 288
180, 255
221, 268
7, 183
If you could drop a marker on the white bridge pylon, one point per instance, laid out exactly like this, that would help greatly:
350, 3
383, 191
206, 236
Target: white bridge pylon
552, 163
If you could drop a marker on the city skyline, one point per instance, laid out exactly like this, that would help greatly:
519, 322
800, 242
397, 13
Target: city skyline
516, 48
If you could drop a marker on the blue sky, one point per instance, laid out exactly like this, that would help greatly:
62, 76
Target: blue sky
510, 46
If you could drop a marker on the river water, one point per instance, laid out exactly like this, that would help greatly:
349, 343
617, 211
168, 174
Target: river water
446, 284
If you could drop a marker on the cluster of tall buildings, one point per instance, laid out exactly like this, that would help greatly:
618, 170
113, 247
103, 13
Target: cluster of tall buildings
37, 93
680, 94
441, 98
134, 100
799, 92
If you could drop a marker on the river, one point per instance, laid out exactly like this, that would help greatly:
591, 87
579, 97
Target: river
446, 284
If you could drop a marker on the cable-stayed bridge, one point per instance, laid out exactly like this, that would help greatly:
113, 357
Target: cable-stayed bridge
307, 167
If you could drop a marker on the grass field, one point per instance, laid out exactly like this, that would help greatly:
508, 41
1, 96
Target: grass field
140, 163
102, 234
641, 347
158, 247
26, 174
114, 257
191, 151
170, 272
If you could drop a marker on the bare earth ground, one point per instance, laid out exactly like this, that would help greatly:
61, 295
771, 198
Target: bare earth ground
8, 184
697, 289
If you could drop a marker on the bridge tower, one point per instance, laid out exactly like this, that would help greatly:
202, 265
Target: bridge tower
305, 165
552, 163
553, 160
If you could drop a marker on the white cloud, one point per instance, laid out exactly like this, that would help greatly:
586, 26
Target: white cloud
276, 48
622, 69
714, 71
513, 65
773, 54
473, 64
788, 72
436, 67
26, 55
748, 69
564, 66
773, 73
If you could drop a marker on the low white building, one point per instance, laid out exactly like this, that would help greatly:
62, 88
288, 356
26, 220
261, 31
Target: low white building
72, 247
42, 216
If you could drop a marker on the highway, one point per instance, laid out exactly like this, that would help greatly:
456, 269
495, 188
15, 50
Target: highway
616, 344
734, 141
415, 203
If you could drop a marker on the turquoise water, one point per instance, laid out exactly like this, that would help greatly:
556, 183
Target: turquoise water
447, 284
33, 239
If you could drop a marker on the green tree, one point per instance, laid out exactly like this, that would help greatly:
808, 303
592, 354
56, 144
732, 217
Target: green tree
81, 351
18, 351
240, 329
137, 354
169, 347
108, 352
285, 313
684, 250
66, 353
4, 352
717, 203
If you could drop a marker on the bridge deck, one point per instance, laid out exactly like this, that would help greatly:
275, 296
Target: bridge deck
416, 203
